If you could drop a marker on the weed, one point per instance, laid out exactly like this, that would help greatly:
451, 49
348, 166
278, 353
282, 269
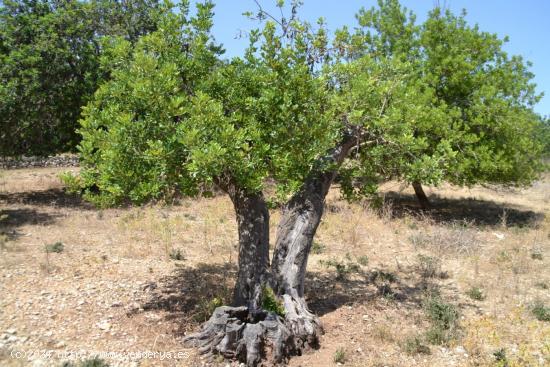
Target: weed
541, 312
541, 285
536, 255
363, 260
382, 276
342, 269
444, 319
271, 303
476, 294
340, 356
57, 247
500, 357
414, 345
206, 308
317, 248
430, 267
176, 255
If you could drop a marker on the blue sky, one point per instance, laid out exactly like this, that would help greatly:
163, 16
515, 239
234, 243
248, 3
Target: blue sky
526, 22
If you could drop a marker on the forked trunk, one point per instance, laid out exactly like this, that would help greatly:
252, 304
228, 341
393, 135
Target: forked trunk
246, 331
421, 195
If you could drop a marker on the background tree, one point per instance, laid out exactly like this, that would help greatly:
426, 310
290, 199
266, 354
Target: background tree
486, 130
49, 66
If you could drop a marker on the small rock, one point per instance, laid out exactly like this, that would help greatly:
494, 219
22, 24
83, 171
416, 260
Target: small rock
116, 304
11, 331
61, 344
104, 325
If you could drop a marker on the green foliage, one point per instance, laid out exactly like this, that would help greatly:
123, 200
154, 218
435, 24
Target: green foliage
476, 294
57, 247
473, 104
443, 317
414, 345
270, 302
49, 66
343, 267
541, 312
340, 356
500, 357
317, 248
206, 307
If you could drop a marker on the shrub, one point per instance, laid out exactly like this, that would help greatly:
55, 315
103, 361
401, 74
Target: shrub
500, 357
206, 308
363, 260
57, 247
444, 319
342, 268
476, 293
414, 345
317, 248
536, 255
541, 312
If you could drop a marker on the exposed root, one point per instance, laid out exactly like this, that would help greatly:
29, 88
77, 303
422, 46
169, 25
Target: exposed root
253, 336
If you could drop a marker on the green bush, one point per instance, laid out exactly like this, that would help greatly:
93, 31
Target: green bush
541, 312
444, 320
57, 247
476, 294
414, 345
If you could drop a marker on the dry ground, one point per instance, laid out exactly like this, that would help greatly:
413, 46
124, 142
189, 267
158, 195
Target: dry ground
117, 286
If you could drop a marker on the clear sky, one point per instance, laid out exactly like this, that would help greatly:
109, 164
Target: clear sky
526, 22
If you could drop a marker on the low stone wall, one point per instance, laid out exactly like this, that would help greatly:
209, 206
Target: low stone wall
63, 160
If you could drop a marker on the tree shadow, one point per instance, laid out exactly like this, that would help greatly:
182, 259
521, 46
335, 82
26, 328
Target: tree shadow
11, 219
52, 197
474, 211
186, 295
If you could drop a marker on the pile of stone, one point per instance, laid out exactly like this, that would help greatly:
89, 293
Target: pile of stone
63, 160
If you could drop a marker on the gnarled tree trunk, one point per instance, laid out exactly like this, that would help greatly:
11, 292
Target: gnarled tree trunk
299, 223
421, 195
245, 331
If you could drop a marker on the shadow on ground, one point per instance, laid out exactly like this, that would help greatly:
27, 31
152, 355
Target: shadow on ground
186, 296
11, 219
53, 197
477, 212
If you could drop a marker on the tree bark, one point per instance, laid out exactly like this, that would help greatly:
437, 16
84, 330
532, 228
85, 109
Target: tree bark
299, 223
253, 228
421, 195
246, 331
